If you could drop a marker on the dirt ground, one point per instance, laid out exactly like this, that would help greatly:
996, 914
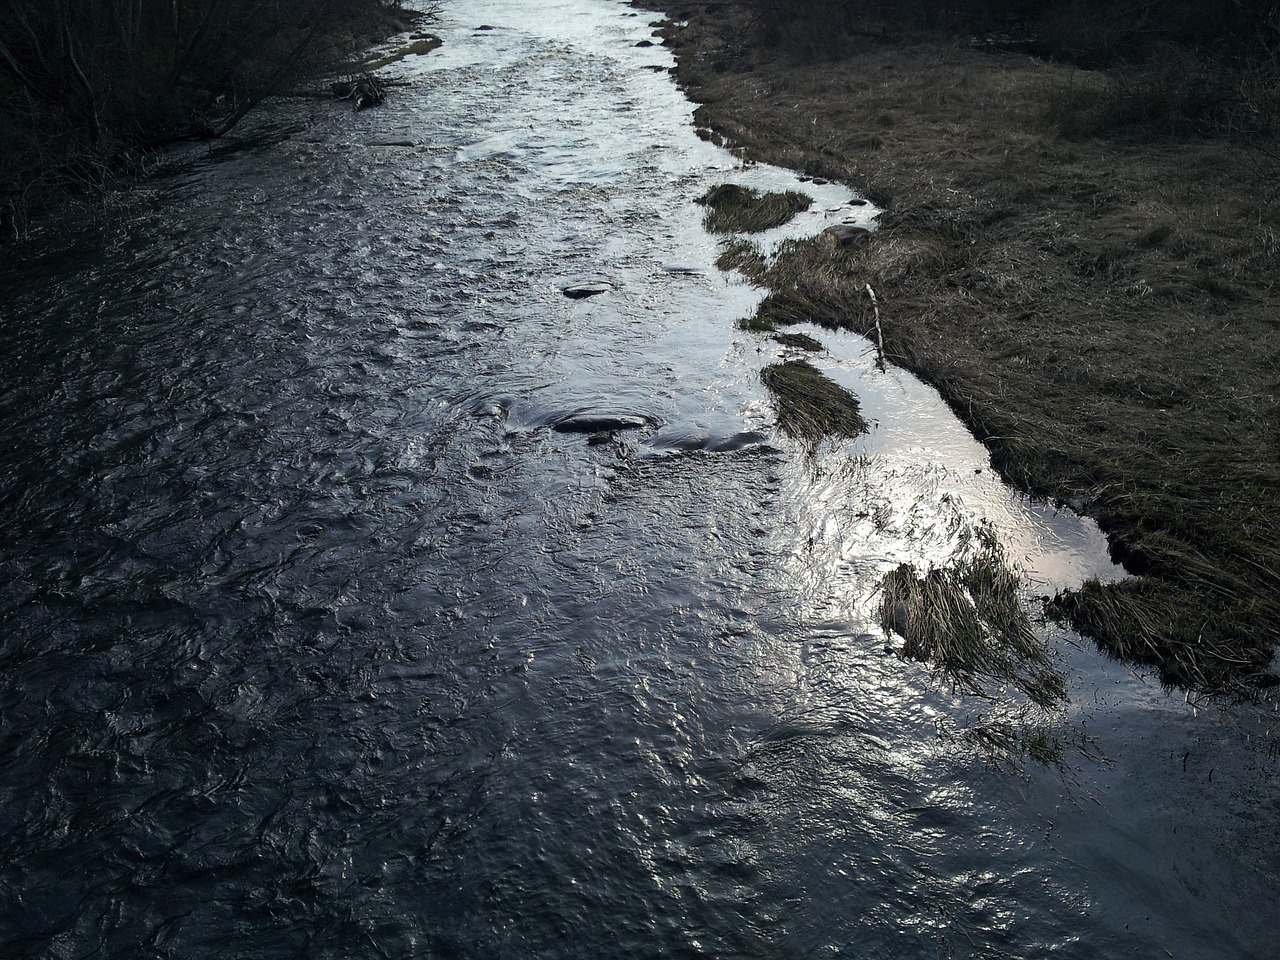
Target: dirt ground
1097, 305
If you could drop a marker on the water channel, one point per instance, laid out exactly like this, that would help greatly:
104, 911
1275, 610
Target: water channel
326, 632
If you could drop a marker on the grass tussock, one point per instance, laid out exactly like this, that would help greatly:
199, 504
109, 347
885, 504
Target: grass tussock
1094, 295
798, 341
809, 405
1176, 95
732, 208
810, 281
967, 621
742, 256
1146, 621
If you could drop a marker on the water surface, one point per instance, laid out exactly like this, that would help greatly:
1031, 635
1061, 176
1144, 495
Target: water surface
325, 633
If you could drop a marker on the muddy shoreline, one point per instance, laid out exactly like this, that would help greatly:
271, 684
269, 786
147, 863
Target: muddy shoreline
1099, 310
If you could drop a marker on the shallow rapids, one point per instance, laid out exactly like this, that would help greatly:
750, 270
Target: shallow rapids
329, 628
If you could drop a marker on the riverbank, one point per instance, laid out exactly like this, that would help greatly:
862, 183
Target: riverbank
86, 94
1095, 302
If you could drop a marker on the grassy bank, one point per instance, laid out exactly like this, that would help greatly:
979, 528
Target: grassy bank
1083, 263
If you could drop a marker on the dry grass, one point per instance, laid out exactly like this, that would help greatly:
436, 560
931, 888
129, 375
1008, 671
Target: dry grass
1101, 311
732, 208
809, 405
798, 341
415, 48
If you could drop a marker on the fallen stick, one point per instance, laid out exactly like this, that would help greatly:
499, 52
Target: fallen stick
875, 304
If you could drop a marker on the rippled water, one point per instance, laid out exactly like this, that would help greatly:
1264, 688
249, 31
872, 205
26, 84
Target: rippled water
327, 633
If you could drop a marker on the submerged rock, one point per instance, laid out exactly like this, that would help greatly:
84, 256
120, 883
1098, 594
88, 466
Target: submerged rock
580, 291
847, 234
600, 423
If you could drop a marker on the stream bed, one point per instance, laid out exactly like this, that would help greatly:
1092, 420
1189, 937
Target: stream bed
329, 627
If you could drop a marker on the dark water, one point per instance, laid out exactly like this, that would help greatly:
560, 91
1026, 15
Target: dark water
324, 633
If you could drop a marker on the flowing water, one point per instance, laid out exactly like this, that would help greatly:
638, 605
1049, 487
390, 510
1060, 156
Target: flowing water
330, 630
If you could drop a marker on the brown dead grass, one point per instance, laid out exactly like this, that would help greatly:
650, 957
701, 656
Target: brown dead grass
967, 621
810, 406
1100, 311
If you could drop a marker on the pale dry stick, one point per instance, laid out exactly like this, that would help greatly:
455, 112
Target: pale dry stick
875, 304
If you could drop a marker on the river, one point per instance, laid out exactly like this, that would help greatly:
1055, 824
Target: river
327, 629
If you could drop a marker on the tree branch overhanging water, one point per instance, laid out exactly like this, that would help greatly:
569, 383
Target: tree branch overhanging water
85, 84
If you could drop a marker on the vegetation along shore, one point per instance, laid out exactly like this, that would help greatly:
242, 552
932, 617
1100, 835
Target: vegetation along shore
88, 87
1079, 248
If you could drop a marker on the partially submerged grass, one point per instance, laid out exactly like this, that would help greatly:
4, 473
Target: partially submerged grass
798, 341
732, 208
967, 621
1145, 620
1027, 736
743, 256
810, 406
1097, 303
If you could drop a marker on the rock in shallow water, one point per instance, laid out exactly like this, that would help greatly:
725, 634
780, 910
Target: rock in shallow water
580, 291
597, 423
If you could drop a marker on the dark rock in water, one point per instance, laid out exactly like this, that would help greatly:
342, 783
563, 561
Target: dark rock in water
645, 43
857, 202
599, 439
580, 291
484, 26
599, 423
847, 234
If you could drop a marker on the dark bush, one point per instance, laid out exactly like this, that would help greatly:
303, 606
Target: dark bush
82, 82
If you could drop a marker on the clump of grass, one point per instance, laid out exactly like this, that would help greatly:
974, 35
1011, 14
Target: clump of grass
784, 307
756, 324
1144, 620
743, 256
732, 208
798, 304
812, 281
799, 341
966, 620
810, 406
